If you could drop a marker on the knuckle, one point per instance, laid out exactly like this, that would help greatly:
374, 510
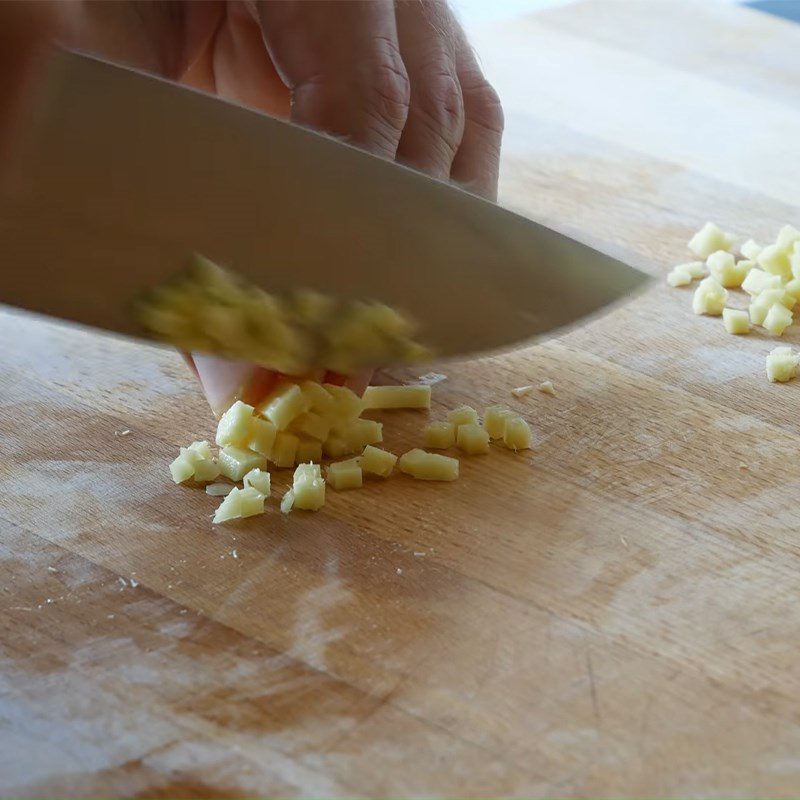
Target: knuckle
485, 108
440, 105
388, 91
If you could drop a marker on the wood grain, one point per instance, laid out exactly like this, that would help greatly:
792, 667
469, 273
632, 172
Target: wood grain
614, 613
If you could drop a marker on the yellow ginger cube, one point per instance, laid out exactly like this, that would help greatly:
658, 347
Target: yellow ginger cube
517, 434
385, 397
284, 451
757, 281
782, 364
751, 250
347, 404
472, 439
760, 305
234, 425
312, 425
735, 321
778, 319
262, 436
494, 420
375, 461
259, 480
236, 462
239, 503
345, 474
320, 399
285, 404
440, 435
308, 450
336, 446
362, 432
287, 501
308, 487
723, 266
787, 236
776, 261
463, 415
709, 297
428, 466
709, 239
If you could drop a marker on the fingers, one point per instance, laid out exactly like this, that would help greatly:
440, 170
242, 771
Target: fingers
342, 64
221, 380
241, 66
435, 124
476, 165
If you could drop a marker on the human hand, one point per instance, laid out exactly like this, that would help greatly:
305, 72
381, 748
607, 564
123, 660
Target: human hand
395, 78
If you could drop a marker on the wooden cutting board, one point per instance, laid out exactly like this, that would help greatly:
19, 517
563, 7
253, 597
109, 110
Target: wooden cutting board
615, 613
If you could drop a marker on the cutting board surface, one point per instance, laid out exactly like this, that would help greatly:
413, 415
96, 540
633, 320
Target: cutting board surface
614, 613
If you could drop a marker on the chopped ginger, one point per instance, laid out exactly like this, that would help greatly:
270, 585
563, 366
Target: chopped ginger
375, 461
472, 439
385, 397
428, 466
440, 435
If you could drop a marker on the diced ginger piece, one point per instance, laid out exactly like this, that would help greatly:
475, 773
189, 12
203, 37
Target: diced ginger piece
287, 501
757, 281
678, 276
284, 404
345, 474
697, 269
428, 466
385, 397
723, 266
793, 288
787, 236
709, 297
778, 319
735, 321
236, 462
494, 420
463, 415
234, 425
284, 451
794, 260
195, 462
472, 439
782, 364
522, 391
320, 399
312, 425
362, 432
517, 435
440, 435
239, 503
262, 436
182, 468
760, 305
259, 480
200, 451
347, 404
308, 451
336, 446
206, 470
751, 250
708, 239
775, 261
547, 387
308, 487
375, 461
219, 489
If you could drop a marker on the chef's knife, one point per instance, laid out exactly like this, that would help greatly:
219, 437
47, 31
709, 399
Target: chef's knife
121, 176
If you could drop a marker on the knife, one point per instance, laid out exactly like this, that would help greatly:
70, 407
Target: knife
121, 176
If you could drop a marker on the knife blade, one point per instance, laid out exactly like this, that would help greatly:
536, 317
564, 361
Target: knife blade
121, 176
